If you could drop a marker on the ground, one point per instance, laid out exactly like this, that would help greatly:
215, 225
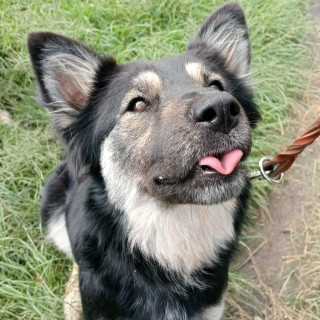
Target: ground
285, 261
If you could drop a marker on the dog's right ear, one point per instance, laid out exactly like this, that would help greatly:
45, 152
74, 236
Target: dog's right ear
66, 72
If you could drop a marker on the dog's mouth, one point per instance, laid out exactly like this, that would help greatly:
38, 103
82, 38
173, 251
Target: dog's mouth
224, 163
211, 178
217, 165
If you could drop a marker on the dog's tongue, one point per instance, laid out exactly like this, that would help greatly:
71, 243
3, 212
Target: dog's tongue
227, 163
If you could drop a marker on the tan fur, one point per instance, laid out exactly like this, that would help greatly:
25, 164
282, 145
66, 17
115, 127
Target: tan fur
69, 81
140, 131
72, 299
195, 70
198, 73
74, 90
72, 78
148, 81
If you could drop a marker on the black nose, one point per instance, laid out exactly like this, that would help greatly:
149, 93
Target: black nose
220, 113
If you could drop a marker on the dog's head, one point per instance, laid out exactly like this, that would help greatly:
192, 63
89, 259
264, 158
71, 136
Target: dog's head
177, 129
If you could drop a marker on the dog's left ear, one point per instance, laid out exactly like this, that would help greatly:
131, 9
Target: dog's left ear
226, 32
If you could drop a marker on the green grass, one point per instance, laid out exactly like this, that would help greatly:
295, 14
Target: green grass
32, 274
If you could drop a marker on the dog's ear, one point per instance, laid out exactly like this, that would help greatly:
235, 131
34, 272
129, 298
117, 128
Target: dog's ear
65, 71
226, 32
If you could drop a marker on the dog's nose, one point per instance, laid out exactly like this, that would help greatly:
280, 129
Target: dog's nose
220, 113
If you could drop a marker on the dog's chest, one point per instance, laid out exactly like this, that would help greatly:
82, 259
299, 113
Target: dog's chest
182, 238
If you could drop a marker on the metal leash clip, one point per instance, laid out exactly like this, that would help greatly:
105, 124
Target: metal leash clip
265, 173
284, 160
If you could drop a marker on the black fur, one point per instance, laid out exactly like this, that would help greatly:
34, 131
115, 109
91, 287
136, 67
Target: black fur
115, 282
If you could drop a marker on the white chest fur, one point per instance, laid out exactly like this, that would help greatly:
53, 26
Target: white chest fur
180, 237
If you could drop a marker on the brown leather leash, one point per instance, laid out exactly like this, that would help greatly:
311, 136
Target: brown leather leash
273, 169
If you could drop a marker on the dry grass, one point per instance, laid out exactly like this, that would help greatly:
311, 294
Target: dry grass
299, 295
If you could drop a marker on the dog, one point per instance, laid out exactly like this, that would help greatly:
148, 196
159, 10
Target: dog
151, 196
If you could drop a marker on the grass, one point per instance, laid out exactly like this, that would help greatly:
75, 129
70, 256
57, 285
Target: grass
32, 274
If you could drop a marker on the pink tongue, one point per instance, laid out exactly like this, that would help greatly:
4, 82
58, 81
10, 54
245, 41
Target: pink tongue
227, 163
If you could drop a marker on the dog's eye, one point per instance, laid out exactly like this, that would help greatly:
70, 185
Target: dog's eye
216, 84
138, 104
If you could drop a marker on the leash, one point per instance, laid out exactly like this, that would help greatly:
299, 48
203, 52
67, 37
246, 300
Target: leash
273, 169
